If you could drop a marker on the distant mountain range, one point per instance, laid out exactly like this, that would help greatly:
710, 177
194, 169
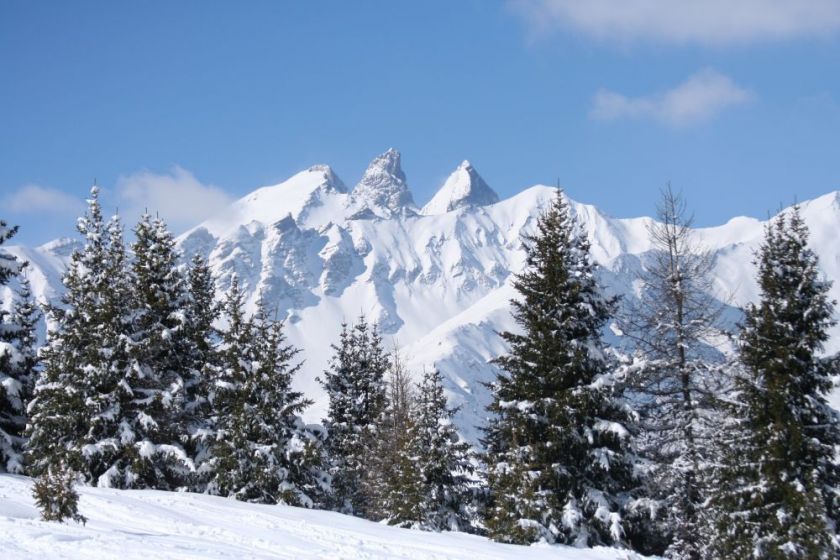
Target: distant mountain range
438, 278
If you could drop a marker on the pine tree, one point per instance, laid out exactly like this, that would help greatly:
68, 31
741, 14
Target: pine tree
674, 384
9, 265
55, 494
198, 358
778, 489
230, 460
444, 460
75, 412
356, 387
17, 359
152, 414
556, 446
263, 451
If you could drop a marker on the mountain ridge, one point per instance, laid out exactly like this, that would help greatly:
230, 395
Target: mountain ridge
438, 284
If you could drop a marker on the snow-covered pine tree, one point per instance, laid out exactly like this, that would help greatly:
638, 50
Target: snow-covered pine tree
674, 385
155, 457
17, 358
230, 456
75, 415
9, 264
357, 390
55, 494
778, 493
556, 445
198, 358
263, 451
445, 461
393, 481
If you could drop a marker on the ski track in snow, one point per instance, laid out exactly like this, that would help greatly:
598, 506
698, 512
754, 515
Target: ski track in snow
151, 524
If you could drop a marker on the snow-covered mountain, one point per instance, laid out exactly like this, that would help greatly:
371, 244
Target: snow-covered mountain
438, 279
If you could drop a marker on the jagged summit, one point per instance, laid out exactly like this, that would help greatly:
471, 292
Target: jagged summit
463, 188
383, 190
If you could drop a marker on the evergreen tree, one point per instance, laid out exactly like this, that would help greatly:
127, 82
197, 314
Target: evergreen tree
230, 449
9, 265
556, 446
153, 411
77, 407
198, 364
674, 385
263, 451
55, 494
778, 492
356, 387
444, 460
17, 359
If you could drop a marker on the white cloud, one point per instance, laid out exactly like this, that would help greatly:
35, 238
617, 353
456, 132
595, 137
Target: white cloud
35, 199
699, 98
703, 22
178, 197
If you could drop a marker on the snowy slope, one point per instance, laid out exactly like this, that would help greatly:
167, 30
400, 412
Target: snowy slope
143, 524
437, 280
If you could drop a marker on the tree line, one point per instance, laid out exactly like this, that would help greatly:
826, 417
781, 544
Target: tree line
147, 379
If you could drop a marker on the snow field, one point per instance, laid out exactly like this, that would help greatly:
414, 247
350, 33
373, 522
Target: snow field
151, 524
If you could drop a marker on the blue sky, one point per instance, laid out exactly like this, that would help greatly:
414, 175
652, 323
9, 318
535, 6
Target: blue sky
737, 107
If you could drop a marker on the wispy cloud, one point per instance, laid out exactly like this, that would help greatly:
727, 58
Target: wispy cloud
698, 99
180, 199
35, 199
704, 22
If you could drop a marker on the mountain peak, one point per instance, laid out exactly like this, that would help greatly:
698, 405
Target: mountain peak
383, 188
463, 188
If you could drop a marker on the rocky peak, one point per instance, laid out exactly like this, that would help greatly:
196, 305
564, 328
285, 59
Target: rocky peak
463, 188
383, 188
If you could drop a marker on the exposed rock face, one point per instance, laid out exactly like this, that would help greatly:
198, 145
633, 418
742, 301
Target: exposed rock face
463, 189
438, 284
383, 189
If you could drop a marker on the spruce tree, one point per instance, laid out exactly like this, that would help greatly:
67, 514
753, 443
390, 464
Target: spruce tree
674, 384
17, 358
556, 445
357, 390
230, 462
77, 406
778, 490
152, 413
263, 451
198, 358
55, 494
445, 461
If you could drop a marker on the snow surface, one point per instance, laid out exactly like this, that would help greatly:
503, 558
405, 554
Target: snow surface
143, 524
462, 189
438, 284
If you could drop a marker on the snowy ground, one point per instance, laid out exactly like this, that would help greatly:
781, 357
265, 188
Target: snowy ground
147, 524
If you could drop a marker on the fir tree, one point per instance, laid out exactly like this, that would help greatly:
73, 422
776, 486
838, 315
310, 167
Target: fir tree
17, 359
444, 460
55, 494
75, 412
674, 385
155, 457
356, 387
558, 465
199, 361
263, 451
227, 397
778, 490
